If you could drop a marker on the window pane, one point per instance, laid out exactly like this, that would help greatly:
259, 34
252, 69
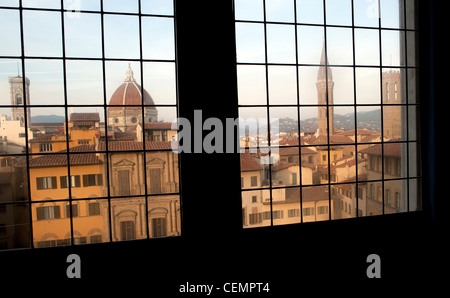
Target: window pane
256, 208
280, 10
160, 79
367, 48
163, 7
281, 44
10, 34
121, 36
367, 86
310, 43
282, 85
42, 38
392, 13
128, 219
340, 46
251, 84
164, 216
315, 203
42, 3
250, 43
339, 12
310, 11
83, 35
158, 38
120, 6
84, 82
92, 222
366, 13
251, 10
15, 225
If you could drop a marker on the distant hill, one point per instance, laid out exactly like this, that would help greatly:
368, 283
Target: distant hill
47, 119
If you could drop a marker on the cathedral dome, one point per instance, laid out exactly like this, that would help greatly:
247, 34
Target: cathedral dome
129, 94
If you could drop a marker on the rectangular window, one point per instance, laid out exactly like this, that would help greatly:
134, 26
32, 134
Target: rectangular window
92, 180
94, 208
46, 183
48, 212
335, 89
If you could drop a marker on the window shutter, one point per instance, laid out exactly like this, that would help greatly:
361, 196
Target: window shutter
63, 181
85, 180
39, 183
99, 179
40, 213
77, 181
53, 186
56, 210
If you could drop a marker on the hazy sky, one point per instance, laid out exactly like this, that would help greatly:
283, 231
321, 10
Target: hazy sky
83, 39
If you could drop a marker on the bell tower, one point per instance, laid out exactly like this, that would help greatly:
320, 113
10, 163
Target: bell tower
18, 98
325, 83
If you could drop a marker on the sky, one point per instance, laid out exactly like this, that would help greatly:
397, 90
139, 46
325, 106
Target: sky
83, 39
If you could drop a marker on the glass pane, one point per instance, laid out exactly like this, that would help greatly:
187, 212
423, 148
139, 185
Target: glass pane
368, 124
413, 163
85, 124
256, 208
367, 47
282, 85
162, 7
128, 219
309, 123
251, 84
121, 36
393, 44
253, 127
307, 77
160, 78
285, 206
126, 172
283, 124
10, 3
343, 122
415, 203
411, 42
51, 226
15, 224
281, 44
412, 77
42, 3
10, 33
279, 10
83, 35
12, 131
310, 44
339, 12
10, 76
367, 86
164, 216
42, 39
374, 199
250, 43
158, 40
84, 80
366, 13
343, 198
315, 203
392, 13
48, 131
46, 81
310, 11
395, 159
88, 174
158, 123
91, 225
413, 129
120, 74
395, 196
394, 123
343, 87
13, 179
121, 6
411, 20
339, 46
75, 5
251, 10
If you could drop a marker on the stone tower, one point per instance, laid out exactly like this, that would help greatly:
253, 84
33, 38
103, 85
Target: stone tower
18, 99
392, 111
325, 83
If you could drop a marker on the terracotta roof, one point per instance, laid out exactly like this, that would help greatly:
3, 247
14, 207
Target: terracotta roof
389, 149
248, 163
158, 125
135, 146
334, 139
124, 136
85, 117
54, 160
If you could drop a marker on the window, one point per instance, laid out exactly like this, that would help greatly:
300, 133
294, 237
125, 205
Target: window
91, 83
335, 87
46, 183
48, 212
254, 181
